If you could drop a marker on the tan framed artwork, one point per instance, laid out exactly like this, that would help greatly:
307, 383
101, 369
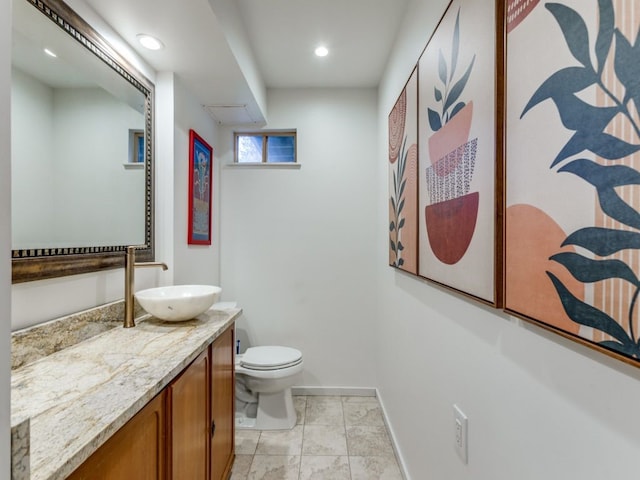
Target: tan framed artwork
460, 243
403, 178
572, 219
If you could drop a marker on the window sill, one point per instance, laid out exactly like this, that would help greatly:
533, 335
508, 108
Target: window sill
285, 165
133, 166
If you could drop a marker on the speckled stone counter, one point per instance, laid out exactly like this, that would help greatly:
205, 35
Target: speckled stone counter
76, 398
30, 344
20, 449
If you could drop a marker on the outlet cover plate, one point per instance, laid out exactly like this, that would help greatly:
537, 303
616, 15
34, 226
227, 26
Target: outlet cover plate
461, 426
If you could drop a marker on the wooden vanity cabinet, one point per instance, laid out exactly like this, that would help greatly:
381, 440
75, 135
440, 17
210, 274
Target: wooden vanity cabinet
185, 433
137, 450
188, 399
222, 406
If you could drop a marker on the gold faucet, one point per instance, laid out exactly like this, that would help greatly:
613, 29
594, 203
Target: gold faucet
129, 268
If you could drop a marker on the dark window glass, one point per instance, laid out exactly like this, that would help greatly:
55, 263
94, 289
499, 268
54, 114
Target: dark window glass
281, 149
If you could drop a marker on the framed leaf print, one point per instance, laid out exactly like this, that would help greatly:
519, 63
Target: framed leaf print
403, 179
572, 222
459, 238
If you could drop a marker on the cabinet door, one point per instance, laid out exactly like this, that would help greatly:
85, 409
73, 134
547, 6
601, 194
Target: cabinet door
137, 450
189, 408
222, 405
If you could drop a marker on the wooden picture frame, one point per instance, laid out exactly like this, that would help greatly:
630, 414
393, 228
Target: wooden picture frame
200, 190
403, 178
460, 152
572, 218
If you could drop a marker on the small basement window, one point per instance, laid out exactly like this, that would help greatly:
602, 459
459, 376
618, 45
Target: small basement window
266, 147
135, 159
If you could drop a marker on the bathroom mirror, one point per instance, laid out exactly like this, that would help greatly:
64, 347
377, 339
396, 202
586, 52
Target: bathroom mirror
82, 152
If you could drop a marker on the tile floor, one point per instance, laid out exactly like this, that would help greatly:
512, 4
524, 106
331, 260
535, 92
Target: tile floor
336, 438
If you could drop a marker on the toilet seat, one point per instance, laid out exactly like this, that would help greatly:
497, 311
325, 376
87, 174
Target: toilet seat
270, 358
268, 373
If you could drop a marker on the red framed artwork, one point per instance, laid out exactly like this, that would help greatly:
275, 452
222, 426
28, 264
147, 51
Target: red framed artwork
200, 189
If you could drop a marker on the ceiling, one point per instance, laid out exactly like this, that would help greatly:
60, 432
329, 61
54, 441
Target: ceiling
228, 51
358, 33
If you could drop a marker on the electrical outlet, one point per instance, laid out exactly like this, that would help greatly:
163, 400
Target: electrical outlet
461, 425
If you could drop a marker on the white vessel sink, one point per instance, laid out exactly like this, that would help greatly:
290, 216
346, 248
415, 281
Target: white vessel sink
178, 303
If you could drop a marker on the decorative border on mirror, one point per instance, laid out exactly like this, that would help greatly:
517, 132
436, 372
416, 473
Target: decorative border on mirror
61, 14
42, 263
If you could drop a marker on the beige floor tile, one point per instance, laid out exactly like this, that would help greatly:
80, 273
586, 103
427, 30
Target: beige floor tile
241, 467
324, 468
329, 428
324, 440
281, 442
324, 411
369, 414
368, 441
374, 468
274, 467
246, 441
300, 404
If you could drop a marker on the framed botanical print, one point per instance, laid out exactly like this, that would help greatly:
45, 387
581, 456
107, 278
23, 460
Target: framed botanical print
403, 178
572, 220
459, 241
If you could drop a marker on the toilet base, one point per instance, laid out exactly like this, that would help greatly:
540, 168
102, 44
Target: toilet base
245, 423
275, 412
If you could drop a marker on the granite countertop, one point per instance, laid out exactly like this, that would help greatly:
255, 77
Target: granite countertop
78, 397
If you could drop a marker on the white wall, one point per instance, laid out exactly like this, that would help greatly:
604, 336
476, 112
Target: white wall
194, 264
539, 406
32, 169
298, 243
5, 237
164, 181
55, 168
97, 201
230, 21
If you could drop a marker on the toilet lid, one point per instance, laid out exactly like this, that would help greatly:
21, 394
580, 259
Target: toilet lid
270, 358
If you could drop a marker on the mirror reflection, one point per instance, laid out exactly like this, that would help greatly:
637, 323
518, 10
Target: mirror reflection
78, 173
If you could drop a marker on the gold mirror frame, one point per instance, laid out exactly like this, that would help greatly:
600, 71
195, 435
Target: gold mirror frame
42, 263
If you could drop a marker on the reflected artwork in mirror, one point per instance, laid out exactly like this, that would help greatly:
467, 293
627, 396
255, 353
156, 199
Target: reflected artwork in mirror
80, 115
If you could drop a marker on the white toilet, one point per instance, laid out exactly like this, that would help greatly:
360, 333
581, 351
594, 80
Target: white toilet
264, 377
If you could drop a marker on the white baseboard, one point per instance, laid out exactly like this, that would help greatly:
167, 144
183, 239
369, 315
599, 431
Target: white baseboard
394, 444
340, 391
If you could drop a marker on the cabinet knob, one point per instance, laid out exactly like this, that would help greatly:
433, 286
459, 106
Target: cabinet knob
213, 428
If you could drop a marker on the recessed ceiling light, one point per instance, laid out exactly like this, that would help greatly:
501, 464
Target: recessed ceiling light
321, 51
150, 42
50, 53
